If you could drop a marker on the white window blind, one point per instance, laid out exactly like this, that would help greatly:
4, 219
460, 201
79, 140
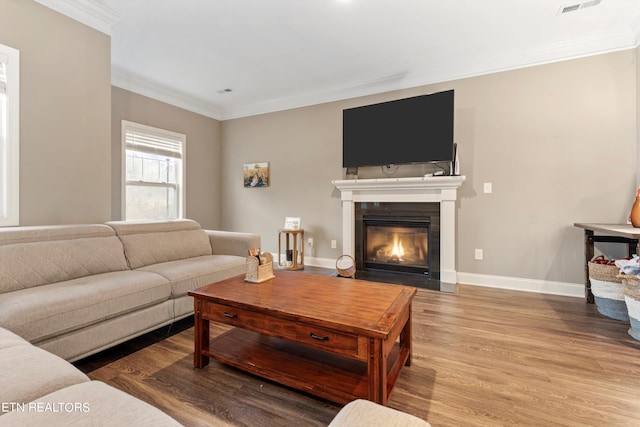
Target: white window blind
153, 172
154, 143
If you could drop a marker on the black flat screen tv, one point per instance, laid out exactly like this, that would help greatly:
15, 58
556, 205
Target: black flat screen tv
411, 130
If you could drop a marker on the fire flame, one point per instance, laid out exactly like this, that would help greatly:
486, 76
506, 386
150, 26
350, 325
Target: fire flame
397, 251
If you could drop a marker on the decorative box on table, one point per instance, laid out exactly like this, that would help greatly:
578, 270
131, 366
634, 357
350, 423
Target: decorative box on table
259, 268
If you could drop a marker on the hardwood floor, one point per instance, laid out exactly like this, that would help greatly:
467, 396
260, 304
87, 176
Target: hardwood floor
482, 357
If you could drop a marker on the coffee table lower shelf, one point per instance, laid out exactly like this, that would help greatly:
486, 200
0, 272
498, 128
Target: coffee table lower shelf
323, 374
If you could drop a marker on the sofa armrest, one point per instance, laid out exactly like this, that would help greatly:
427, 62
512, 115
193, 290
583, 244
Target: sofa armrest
232, 242
364, 413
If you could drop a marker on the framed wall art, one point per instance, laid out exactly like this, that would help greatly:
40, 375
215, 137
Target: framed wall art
256, 175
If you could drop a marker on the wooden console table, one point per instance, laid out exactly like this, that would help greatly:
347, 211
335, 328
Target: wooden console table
616, 233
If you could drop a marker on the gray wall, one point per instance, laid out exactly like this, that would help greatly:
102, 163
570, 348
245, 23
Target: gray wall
303, 148
557, 141
202, 151
65, 104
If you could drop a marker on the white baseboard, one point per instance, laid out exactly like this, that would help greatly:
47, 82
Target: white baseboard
491, 281
310, 261
320, 262
521, 284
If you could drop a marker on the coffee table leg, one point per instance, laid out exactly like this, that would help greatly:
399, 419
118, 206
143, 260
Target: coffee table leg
201, 336
377, 368
405, 338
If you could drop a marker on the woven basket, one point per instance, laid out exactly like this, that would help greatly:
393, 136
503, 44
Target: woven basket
604, 272
606, 286
631, 289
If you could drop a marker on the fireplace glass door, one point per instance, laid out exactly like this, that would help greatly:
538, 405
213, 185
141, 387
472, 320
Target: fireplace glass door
399, 244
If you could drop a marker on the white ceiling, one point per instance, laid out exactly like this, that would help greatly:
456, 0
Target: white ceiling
279, 54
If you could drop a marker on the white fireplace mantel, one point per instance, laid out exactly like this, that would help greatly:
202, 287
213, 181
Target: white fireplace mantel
438, 189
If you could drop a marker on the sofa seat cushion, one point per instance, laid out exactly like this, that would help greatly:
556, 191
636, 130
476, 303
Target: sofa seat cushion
92, 403
49, 310
189, 274
29, 372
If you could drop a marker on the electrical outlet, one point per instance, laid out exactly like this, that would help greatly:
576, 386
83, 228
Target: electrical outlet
310, 241
479, 254
334, 244
488, 187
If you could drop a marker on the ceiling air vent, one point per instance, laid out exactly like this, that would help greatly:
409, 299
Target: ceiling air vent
579, 6
571, 8
590, 3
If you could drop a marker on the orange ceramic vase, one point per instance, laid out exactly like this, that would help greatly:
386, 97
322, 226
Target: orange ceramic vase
634, 216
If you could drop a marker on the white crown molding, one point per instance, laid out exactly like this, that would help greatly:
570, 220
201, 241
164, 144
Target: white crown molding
596, 44
143, 87
471, 67
351, 89
101, 18
88, 12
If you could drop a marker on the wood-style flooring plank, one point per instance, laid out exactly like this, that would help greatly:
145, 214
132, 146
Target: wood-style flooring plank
481, 357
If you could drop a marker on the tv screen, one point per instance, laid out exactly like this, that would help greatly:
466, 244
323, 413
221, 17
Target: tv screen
411, 130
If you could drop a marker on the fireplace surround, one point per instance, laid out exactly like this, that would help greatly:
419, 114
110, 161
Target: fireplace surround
438, 191
400, 238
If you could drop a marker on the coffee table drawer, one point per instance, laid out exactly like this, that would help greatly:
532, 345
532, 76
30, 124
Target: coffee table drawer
313, 336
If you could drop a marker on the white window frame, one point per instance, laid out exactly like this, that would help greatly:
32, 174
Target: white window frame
10, 147
181, 185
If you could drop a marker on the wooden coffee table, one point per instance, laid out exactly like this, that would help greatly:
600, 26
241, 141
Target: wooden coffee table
337, 338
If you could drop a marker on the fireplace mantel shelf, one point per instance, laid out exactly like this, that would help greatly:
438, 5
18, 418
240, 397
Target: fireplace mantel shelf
439, 189
390, 184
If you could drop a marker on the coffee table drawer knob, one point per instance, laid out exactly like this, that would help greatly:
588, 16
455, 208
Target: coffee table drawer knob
319, 338
231, 316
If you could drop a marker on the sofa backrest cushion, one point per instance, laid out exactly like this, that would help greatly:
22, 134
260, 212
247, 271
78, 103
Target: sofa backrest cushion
152, 242
34, 256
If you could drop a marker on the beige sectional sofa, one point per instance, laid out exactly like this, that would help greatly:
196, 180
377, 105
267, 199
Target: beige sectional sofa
41, 389
75, 290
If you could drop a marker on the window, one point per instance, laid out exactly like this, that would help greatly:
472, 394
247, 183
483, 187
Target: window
153, 172
9, 135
